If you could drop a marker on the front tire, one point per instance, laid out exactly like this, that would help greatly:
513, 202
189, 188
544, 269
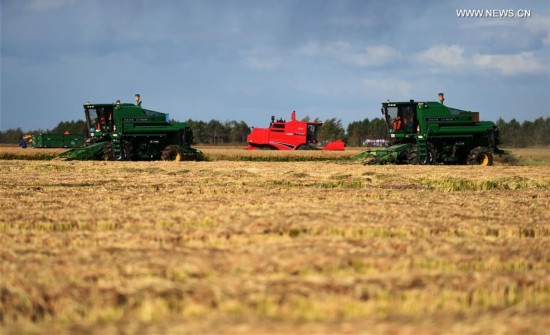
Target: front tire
127, 151
108, 152
413, 159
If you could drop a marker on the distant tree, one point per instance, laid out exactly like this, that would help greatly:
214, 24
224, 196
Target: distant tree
331, 130
74, 127
11, 135
238, 131
504, 130
217, 132
528, 133
199, 131
358, 132
353, 134
512, 134
540, 132
377, 128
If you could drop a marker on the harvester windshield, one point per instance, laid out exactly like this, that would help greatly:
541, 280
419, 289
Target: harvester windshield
99, 118
391, 112
400, 118
312, 130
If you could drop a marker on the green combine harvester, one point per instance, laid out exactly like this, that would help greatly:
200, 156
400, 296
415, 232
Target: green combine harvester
432, 133
125, 131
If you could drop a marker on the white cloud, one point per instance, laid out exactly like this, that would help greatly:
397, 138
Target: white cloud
446, 55
540, 24
332, 49
311, 49
452, 58
437, 59
376, 56
509, 65
511, 31
343, 52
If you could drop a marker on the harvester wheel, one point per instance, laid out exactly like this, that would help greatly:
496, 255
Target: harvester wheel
127, 151
172, 153
306, 147
107, 152
480, 156
432, 154
412, 155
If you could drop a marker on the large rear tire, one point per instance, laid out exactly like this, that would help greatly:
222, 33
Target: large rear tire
480, 156
172, 153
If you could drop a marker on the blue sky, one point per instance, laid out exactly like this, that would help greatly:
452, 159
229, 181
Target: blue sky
250, 59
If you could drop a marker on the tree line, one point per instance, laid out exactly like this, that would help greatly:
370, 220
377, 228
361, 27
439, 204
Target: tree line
526, 134
513, 133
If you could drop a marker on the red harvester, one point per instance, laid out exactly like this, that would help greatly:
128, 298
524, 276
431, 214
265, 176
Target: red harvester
291, 135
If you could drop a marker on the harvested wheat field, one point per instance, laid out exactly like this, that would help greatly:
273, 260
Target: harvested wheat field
273, 247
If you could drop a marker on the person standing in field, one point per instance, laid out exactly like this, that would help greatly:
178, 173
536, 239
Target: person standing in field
441, 98
22, 143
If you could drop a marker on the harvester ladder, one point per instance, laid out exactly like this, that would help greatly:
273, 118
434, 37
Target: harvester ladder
117, 149
422, 149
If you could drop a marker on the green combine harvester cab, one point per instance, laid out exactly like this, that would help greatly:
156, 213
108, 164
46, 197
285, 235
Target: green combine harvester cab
124, 131
432, 133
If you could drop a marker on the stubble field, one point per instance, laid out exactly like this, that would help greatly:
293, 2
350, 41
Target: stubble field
229, 246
